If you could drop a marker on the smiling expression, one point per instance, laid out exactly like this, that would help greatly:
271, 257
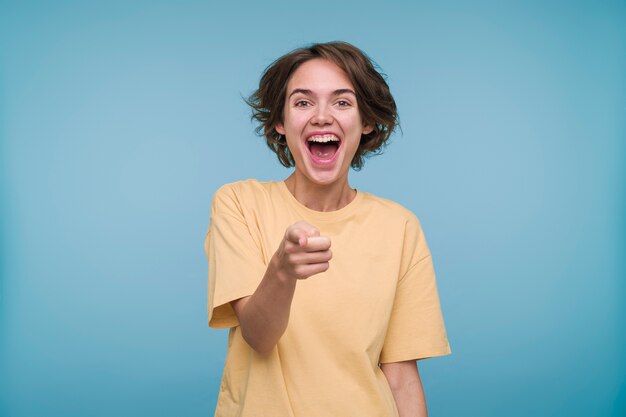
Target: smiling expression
321, 121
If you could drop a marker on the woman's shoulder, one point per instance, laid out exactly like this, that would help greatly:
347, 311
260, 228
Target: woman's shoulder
247, 192
249, 186
389, 207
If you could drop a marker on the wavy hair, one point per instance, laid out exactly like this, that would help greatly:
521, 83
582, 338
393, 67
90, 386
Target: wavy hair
375, 102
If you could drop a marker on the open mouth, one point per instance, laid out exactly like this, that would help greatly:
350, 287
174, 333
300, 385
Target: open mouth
323, 148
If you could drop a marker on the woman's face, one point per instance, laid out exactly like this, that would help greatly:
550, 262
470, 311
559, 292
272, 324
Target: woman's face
321, 121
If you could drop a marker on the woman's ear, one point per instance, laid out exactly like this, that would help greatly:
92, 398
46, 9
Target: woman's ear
367, 129
280, 128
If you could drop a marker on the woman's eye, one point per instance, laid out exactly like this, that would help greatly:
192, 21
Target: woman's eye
301, 103
343, 103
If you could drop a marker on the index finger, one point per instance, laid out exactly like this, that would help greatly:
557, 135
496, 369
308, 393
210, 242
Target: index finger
296, 235
317, 243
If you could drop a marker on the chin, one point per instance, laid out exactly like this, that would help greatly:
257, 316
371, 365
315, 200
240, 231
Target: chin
323, 178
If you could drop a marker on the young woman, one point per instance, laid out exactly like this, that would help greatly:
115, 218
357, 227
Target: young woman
329, 292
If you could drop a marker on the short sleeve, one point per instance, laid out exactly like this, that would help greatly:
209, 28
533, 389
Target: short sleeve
235, 260
416, 329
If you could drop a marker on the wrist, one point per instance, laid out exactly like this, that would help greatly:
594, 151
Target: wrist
280, 274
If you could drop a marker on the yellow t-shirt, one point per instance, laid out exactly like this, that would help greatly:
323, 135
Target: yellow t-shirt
376, 303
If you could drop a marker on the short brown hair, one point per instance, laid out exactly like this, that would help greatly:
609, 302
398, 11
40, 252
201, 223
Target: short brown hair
375, 102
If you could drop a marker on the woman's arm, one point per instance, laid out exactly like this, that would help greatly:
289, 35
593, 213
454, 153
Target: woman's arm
264, 315
406, 386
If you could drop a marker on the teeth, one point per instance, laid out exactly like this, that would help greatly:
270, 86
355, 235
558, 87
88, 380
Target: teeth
323, 138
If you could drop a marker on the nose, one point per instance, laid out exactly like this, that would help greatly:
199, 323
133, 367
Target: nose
322, 115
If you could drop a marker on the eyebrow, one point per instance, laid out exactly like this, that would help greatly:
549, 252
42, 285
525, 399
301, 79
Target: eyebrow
307, 92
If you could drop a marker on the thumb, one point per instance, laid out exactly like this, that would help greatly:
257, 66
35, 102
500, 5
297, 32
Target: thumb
312, 232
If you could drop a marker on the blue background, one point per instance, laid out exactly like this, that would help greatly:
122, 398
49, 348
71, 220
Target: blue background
119, 120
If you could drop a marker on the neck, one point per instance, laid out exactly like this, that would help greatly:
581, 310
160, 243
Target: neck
330, 197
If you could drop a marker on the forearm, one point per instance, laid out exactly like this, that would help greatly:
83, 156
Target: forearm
406, 387
263, 317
